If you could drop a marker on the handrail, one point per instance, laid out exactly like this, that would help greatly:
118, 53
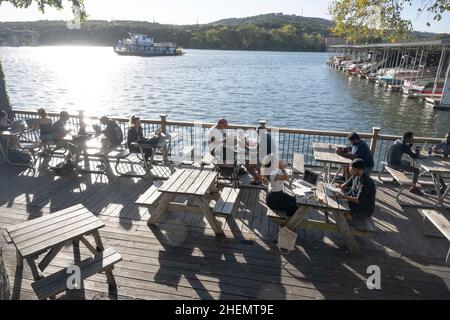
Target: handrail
290, 140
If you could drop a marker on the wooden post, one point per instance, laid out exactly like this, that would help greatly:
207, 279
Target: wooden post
374, 139
262, 124
82, 129
165, 151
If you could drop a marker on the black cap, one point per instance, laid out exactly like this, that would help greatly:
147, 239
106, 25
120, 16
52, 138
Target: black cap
358, 164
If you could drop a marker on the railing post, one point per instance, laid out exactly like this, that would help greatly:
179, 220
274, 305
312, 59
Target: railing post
82, 129
165, 151
374, 139
262, 124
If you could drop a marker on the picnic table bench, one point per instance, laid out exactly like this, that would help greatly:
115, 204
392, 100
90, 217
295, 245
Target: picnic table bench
440, 221
402, 179
49, 234
197, 186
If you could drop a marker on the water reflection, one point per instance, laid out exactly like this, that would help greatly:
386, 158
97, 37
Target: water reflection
289, 89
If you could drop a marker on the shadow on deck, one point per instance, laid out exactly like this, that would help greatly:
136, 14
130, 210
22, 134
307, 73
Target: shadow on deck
182, 259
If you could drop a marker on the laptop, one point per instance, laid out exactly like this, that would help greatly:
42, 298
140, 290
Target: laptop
306, 186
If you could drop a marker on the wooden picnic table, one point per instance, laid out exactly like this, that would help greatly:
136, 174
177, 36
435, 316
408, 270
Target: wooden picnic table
328, 205
193, 184
50, 233
437, 167
326, 154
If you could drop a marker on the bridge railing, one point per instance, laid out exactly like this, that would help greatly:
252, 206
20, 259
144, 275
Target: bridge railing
289, 140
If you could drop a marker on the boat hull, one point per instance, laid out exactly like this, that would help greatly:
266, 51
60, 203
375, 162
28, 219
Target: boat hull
147, 54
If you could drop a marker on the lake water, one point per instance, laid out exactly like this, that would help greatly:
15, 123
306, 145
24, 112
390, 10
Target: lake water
296, 90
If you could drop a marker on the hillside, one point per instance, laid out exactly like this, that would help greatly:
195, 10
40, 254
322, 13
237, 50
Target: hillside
273, 31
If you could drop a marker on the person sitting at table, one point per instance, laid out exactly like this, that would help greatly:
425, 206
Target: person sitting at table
60, 131
113, 135
5, 124
265, 145
359, 150
273, 171
443, 147
394, 159
44, 125
135, 135
217, 142
359, 191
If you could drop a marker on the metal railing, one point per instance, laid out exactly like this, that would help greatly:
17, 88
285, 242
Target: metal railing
289, 140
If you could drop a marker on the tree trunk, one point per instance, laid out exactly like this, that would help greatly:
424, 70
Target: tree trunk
4, 283
4, 100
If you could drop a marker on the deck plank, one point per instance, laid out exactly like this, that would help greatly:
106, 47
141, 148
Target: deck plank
182, 259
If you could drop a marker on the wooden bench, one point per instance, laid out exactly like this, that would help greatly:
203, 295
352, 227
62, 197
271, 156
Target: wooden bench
151, 197
227, 202
57, 282
398, 176
277, 217
440, 222
360, 227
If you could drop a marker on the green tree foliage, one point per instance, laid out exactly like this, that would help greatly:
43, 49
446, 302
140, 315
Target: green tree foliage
358, 20
266, 32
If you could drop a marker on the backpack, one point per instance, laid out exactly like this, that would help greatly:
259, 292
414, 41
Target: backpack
64, 168
19, 157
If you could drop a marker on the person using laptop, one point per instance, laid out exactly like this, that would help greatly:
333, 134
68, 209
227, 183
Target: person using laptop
359, 150
359, 191
265, 145
273, 171
220, 144
395, 161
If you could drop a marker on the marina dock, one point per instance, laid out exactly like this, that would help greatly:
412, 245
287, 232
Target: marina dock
415, 69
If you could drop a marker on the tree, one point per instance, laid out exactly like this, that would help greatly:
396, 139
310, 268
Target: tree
358, 20
42, 4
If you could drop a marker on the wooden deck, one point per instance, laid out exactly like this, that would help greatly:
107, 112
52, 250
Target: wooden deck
182, 259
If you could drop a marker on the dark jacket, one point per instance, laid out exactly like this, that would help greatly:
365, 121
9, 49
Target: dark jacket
364, 189
396, 151
134, 136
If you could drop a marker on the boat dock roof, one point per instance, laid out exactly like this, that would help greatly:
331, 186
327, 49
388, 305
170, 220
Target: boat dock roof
431, 44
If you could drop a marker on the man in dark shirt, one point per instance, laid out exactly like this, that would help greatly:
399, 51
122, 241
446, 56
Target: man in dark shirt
394, 158
359, 191
113, 133
360, 150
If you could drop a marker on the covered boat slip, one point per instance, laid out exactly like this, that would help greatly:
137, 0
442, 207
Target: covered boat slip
406, 62
182, 258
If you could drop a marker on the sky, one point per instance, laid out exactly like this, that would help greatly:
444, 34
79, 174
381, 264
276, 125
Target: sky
203, 11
